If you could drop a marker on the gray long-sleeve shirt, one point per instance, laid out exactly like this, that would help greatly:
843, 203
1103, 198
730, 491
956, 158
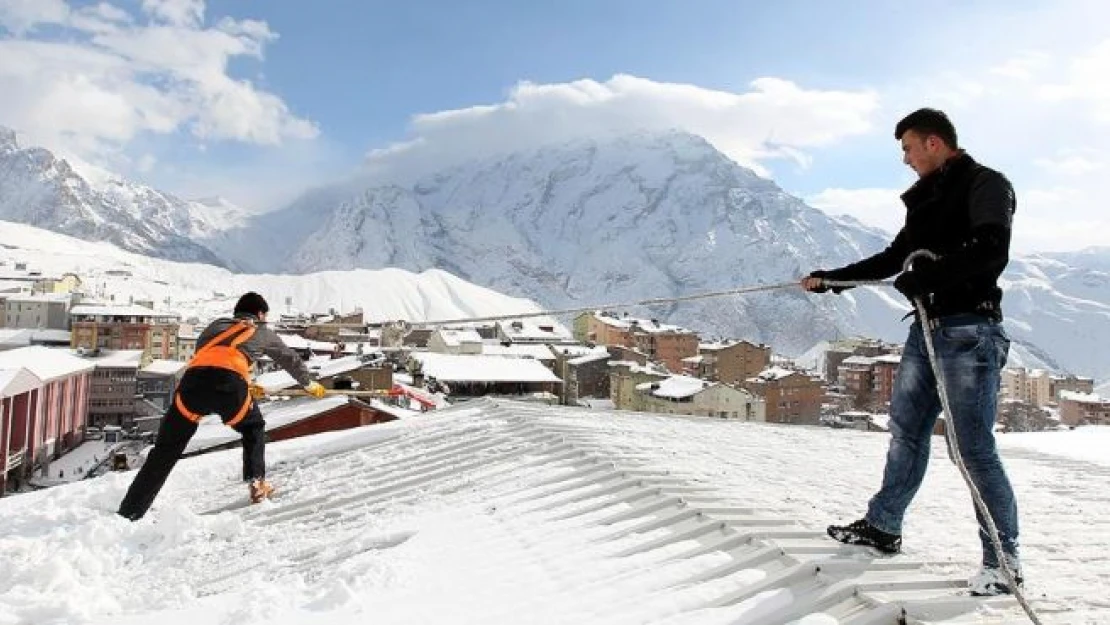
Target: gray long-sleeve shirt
264, 342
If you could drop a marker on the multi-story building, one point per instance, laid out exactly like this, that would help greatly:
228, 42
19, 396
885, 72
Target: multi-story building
664, 343
856, 378
788, 396
840, 350
1083, 409
124, 327
730, 362
45, 311
883, 372
1039, 387
114, 394
44, 397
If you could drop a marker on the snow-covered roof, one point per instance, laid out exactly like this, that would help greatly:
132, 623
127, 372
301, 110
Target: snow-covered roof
48, 364
21, 337
1087, 398
575, 349
164, 367
325, 367
534, 331
400, 413
321, 367
463, 368
865, 361
774, 373
119, 310
40, 298
651, 326
517, 350
890, 359
17, 380
117, 358
594, 356
694, 360
212, 432
712, 346
298, 342
455, 338
667, 520
675, 387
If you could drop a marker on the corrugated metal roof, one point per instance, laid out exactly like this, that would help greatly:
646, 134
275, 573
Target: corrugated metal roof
768, 569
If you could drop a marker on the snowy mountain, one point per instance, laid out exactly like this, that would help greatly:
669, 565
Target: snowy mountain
203, 291
636, 217
643, 215
587, 222
40, 189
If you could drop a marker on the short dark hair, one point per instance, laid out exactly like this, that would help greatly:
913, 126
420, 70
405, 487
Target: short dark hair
252, 304
927, 122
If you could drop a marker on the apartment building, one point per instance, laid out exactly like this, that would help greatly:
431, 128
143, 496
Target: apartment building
124, 327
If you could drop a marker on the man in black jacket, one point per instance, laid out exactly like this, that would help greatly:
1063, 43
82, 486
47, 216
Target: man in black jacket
960, 211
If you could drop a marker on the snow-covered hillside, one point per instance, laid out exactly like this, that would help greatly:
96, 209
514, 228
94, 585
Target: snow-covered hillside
644, 216
40, 189
202, 291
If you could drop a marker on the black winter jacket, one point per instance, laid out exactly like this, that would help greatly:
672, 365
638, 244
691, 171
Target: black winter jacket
963, 213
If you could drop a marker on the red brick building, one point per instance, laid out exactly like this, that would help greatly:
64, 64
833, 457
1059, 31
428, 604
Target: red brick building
44, 404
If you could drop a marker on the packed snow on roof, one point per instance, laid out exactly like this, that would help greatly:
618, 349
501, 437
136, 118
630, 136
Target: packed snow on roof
503, 512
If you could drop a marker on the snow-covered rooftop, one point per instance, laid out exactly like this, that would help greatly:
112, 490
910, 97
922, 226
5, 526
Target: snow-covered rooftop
865, 361
212, 432
461, 368
46, 363
650, 326
536, 331
117, 358
16, 380
119, 310
675, 387
517, 350
455, 338
774, 373
594, 356
164, 367
1090, 398
22, 337
503, 513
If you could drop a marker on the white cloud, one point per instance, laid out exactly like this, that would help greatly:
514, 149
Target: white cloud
1075, 163
775, 119
188, 13
110, 79
1025, 66
873, 206
1085, 82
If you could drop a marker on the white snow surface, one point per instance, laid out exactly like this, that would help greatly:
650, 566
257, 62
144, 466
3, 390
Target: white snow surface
204, 291
369, 526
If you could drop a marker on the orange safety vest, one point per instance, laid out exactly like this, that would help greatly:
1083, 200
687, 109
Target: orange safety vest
223, 352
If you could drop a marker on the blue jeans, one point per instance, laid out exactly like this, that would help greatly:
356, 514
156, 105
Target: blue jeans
972, 351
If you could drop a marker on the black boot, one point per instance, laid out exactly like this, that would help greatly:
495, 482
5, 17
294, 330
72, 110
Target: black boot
863, 533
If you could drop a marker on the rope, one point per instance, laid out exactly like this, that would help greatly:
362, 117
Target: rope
953, 442
646, 302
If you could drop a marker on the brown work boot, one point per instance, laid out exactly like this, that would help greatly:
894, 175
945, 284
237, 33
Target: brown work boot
260, 489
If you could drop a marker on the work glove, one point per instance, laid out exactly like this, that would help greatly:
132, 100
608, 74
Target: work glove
256, 391
826, 275
316, 389
909, 284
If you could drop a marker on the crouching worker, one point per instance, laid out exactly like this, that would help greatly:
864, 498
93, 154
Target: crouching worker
218, 381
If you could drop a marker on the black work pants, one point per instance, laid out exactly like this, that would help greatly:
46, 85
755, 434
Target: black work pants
203, 391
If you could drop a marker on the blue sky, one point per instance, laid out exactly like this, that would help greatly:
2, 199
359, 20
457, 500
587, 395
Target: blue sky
257, 100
